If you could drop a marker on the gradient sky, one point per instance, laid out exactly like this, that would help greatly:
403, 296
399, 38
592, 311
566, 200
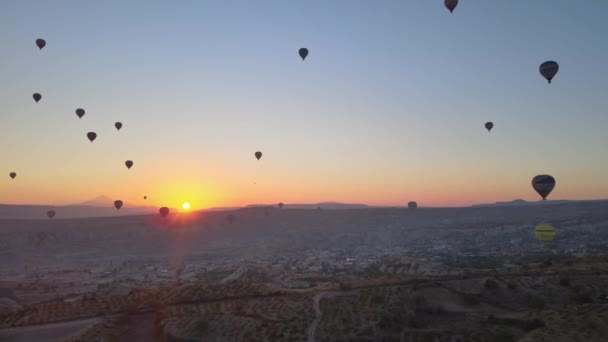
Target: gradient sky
388, 107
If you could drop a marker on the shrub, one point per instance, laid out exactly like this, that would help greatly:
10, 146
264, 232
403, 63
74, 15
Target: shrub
201, 327
471, 299
564, 281
512, 286
420, 299
537, 303
491, 284
502, 335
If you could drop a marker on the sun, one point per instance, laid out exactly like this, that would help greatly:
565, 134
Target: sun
186, 206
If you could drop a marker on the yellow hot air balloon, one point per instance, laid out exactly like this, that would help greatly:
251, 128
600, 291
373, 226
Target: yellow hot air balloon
545, 233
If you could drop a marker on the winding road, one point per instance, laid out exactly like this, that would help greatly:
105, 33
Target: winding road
312, 330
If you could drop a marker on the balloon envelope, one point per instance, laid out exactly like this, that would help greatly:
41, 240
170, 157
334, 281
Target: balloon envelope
258, 155
50, 213
40, 43
12, 175
118, 126
489, 125
37, 97
129, 164
451, 4
549, 69
280, 205
80, 113
118, 204
545, 233
92, 136
164, 211
303, 52
145, 197
543, 184
412, 205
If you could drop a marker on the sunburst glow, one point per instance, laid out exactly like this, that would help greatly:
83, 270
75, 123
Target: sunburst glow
186, 206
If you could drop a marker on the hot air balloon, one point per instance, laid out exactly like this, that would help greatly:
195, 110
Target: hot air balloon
50, 213
164, 211
145, 197
258, 155
118, 126
303, 52
12, 175
80, 113
489, 125
40, 43
412, 205
118, 204
543, 184
37, 97
549, 69
129, 164
451, 5
92, 136
545, 233
281, 205
230, 218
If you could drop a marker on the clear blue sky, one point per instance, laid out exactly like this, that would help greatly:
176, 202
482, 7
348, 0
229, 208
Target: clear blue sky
388, 107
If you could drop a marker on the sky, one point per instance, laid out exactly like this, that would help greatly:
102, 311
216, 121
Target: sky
388, 107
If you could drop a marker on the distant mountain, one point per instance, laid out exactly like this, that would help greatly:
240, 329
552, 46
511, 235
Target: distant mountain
323, 205
521, 202
221, 209
100, 201
99, 207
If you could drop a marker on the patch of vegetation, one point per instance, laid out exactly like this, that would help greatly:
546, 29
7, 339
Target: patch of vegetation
512, 285
564, 281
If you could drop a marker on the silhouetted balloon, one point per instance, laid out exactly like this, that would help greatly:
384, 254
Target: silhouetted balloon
489, 125
118, 204
92, 136
451, 5
118, 126
230, 218
12, 175
80, 113
40, 43
549, 69
303, 52
545, 233
145, 197
281, 205
543, 184
412, 205
50, 213
37, 97
258, 155
164, 211
129, 164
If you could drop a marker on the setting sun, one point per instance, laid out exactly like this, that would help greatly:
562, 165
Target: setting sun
186, 206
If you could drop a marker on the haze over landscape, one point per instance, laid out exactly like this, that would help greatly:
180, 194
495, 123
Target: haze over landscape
303, 171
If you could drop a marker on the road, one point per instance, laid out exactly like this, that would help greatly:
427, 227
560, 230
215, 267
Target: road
312, 330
